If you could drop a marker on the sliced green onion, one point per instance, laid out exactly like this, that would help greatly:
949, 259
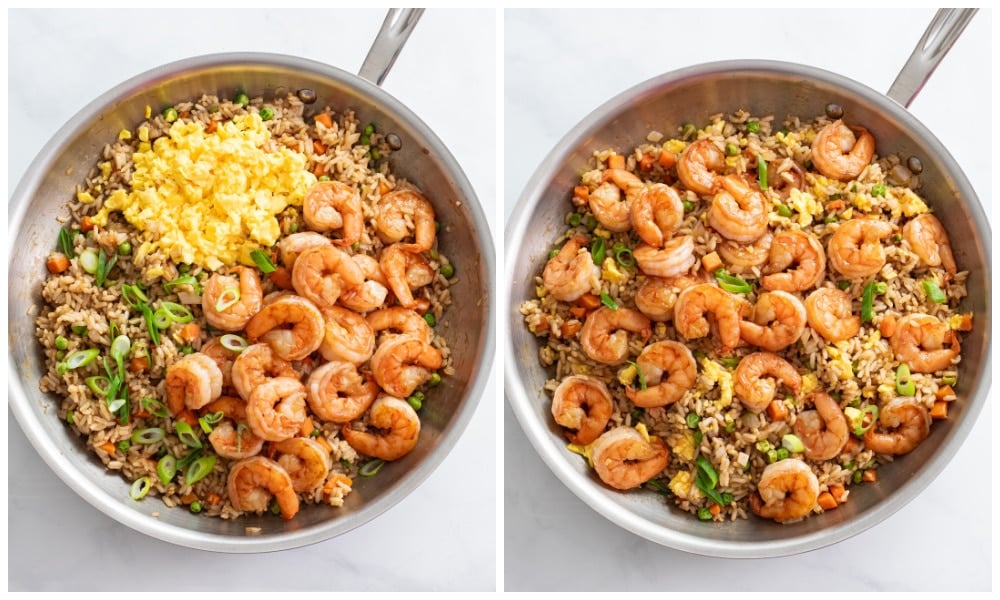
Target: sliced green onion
934, 293
639, 375
657, 486
878, 189
772, 456
705, 467
147, 316
761, 172
792, 443
80, 330
861, 428
66, 242
708, 488
197, 470
623, 255
140, 487
698, 436
732, 283
704, 514
88, 261
263, 261
115, 405
104, 266
692, 419
590, 222
346, 464
154, 407
867, 300
178, 313
190, 457
187, 435
186, 279
598, 250
431, 320
69, 416
120, 347
905, 385
370, 468
831, 219
99, 384
763, 446
166, 468
205, 425
730, 425
77, 359
134, 296
228, 297
150, 435
233, 342
688, 130
608, 301
730, 362
784, 210
753, 126
688, 206
161, 318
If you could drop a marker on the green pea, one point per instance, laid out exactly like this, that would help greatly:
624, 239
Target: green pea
61, 343
448, 270
195, 507
732, 149
431, 320
242, 100
369, 129
266, 113
415, 402
434, 380
124, 249
575, 219
170, 114
376, 154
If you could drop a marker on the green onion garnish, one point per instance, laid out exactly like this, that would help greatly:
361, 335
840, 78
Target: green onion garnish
186, 279
623, 255
189, 458
66, 242
706, 468
784, 210
187, 435
166, 468
88, 261
949, 379
77, 359
154, 407
104, 266
657, 486
732, 283
233, 342
867, 300
761, 172
861, 428
370, 468
598, 250
150, 435
197, 470
263, 261
228, 297
934, 293
608, 301
792, 443
905, 385
178, 313
730, 362
140, 487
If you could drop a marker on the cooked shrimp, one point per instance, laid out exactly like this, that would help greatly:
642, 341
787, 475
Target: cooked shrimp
372, 292
604, 336
393, 430
254, 481
854, 249
656, 296
305, 335
332, 205
192, 382
745, 256
823, 431
399, 212
347, 336
624, 459
255, 365
322, 273
829, 312
776, 321
802, 252
838, 154
656, 360
675, 258
400, 320
908, 423
583, 405
610, 209
571, 273
405, 270
929, 241
229, 301
698, 166
292, 246
925, 343
232, 438
656, 213
402, 364
337, 392
277, 408
305, 460
695, 302
788, 491
738, 212
753, 383
222, 356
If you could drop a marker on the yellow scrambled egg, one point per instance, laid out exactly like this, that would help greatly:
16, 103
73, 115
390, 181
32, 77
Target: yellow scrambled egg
212, 198
716, 373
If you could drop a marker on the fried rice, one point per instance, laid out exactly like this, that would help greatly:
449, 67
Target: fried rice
127, 427
718, 448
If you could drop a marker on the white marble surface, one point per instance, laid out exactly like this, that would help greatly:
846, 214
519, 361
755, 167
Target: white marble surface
440, 537
559, 66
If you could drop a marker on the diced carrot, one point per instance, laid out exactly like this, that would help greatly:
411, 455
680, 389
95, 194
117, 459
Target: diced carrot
108, 447
185, 114
307, 427
335, 479
835, 205
138, 364
589, 301
965, 323
57, 263
839, 493
282, 277
212, 126
190, 332
826, 501
86, 224
569, 328
616, 161
189, 497
869, 475
383, 187
319, 170
213, 499
542, 324
322, 442
325, 119
319, 147
646, 162
945, 393
578, 311
777, 411
581, 195
188, 417
939, 410
667, 159
712, 262
888, 326
715, 509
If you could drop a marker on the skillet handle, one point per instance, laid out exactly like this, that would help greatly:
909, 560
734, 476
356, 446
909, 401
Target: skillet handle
939, 37
396, 29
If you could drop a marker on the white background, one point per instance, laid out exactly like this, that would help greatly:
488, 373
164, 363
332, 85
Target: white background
440, 537
561, 65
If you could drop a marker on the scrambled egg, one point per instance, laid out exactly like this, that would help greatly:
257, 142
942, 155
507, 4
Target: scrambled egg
806, 205
681, 484
718, 374
840, 363
211, 199
685, 447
